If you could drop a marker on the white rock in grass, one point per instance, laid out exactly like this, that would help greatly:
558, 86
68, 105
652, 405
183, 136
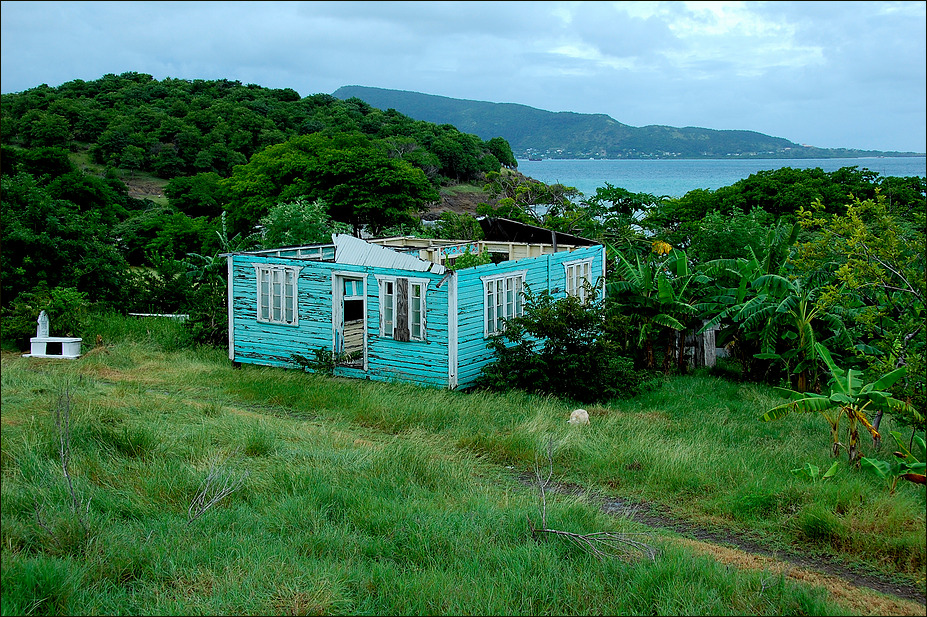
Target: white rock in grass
579, 416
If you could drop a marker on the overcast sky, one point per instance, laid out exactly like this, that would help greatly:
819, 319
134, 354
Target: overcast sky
828, 74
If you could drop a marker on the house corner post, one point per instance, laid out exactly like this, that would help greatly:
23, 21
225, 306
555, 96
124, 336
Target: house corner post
231, 304
452, 333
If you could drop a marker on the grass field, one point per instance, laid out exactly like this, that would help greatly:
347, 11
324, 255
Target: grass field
147, 479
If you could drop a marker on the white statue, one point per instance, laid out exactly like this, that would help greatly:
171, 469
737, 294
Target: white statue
42, 331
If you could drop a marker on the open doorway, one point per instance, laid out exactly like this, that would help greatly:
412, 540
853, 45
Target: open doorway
350, 321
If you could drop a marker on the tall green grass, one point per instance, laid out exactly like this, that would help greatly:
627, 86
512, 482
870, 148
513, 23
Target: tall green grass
694, 445
372, 498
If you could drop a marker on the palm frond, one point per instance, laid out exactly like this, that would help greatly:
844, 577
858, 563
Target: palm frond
809, 404
668, 321
889, 379
773, 283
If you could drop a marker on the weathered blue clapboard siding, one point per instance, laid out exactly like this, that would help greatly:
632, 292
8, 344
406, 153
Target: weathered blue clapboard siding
427, 362
273, 344
546, 272
422, 362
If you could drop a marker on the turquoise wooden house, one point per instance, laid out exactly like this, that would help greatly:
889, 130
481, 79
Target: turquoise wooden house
395, 309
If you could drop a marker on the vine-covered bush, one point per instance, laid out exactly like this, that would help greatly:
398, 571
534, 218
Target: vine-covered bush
562, 347
65, 306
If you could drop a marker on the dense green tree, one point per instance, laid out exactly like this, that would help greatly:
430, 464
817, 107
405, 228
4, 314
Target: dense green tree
871, 261
201, 195
85, 119
354, 175
46, 129
677, 220
44, 163
780, 193
299, 222
501, 149
90, 194
728, 236
132, 158
164, 231
52, 242
613, 200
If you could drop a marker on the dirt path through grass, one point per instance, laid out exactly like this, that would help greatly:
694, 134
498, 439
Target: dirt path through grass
845, 585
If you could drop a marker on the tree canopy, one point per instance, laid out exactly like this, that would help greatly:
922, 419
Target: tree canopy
349, 171
219, 148
177, 127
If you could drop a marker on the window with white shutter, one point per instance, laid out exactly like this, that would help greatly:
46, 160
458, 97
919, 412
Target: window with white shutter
578, 273
277, 293
503, 298
402, 308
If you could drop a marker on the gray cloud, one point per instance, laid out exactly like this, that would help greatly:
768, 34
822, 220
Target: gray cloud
833, 74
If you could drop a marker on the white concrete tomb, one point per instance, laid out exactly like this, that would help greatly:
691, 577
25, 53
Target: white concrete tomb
39, 344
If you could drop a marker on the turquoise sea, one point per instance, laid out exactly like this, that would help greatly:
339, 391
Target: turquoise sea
675, 177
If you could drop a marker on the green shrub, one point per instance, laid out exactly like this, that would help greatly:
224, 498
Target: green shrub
469, 259
65, 306
562, 347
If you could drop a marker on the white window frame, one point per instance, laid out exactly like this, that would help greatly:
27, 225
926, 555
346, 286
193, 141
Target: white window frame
277, 305
503, 298
577, 273
416, 307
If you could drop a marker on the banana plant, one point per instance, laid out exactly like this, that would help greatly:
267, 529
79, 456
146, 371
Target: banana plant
789, 310
847, 397
653, 292
771, 316
813, 472
782, 316
907, 464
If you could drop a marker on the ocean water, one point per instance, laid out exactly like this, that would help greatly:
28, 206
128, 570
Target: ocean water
675, 177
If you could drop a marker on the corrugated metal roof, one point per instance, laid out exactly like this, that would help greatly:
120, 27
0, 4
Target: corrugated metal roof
351, 250
507, 230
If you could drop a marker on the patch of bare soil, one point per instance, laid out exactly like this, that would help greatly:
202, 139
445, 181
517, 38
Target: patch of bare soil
466, 201
845, 593
459, 203
144, 188
847, 587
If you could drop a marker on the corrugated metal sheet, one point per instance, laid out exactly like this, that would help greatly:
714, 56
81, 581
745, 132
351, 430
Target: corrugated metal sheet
351, 250
315, 252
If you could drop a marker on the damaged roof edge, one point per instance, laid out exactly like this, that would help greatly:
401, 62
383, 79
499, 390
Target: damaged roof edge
348, 249
354, 251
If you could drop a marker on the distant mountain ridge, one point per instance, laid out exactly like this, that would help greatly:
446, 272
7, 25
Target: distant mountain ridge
533, 132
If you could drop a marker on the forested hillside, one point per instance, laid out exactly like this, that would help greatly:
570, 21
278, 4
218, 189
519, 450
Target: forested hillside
201, 130
220, 160
535, 132
780, 260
